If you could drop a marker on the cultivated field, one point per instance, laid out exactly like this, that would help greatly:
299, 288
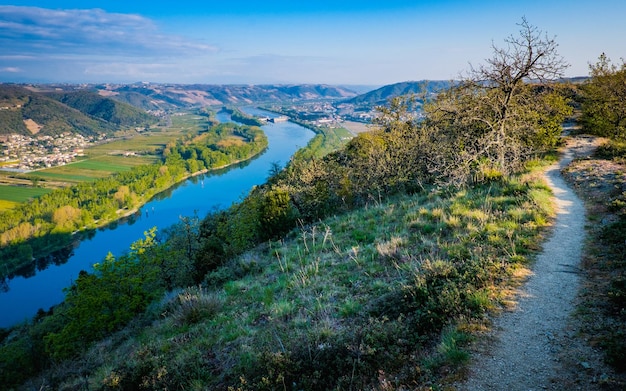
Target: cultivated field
100, 161
10, 196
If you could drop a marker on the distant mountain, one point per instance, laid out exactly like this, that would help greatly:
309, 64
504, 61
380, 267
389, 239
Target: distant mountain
166, 97
382, 95
29, 110
107, 109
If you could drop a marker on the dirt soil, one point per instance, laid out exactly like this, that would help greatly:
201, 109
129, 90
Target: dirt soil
537, 345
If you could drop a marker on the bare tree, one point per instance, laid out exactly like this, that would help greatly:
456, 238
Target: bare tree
492, 116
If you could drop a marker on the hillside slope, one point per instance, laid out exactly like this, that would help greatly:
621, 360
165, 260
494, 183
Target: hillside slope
532, 344
384, 93
28, 111
107, 109
173, 96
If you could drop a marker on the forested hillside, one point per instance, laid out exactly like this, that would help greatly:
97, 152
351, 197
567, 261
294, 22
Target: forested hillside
27, 112
383, 94
107, 109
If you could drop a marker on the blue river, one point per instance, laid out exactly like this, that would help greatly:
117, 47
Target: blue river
22, 297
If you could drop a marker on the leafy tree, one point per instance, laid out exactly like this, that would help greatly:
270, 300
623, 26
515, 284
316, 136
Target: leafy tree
102, 302
603, 108
276, 213
65, 217
496, 114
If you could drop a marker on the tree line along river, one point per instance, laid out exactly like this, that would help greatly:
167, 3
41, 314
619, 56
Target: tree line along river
21, 298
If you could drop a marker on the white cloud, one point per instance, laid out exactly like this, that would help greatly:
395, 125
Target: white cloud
10, 70
34, 30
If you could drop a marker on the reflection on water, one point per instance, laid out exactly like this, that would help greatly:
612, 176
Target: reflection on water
41, 284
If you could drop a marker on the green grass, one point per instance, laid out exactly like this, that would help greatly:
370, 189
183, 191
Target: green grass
96, 165
91, 169
68, 176
328, 308
189, 122
325, 141
17, 194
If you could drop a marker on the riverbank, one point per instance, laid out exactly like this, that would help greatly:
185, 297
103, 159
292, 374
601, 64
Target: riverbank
88, 206
199, 195
123, 213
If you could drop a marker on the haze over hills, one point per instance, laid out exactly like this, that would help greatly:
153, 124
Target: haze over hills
173, 96
103, 108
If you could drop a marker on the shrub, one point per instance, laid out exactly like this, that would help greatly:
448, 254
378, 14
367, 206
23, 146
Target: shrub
193, 305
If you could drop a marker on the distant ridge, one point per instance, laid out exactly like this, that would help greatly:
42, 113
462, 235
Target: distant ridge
382, 95
150, 96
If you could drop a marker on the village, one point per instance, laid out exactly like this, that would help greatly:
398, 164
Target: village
325, 113
25, 153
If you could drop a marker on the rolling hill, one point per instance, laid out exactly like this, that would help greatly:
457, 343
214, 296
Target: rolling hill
382, 95
31, 111
110, 110
174, 96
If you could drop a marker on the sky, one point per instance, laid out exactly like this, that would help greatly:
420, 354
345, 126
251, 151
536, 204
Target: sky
345, 42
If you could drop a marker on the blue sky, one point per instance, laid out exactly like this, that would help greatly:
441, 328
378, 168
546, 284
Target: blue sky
256, 42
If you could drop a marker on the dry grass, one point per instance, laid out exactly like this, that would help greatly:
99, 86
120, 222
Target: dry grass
356, 127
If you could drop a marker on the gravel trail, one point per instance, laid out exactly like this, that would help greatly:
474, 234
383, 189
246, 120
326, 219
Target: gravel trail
525, 350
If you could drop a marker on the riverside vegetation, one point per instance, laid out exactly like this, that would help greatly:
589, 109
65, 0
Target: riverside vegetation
367, 268
47, 222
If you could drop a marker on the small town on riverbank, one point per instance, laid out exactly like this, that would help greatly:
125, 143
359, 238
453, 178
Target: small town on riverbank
26, 153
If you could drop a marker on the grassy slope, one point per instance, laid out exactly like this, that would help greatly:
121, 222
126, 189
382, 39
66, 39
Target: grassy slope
386, 292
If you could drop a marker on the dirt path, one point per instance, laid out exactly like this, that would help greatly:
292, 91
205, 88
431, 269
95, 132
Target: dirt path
534, 346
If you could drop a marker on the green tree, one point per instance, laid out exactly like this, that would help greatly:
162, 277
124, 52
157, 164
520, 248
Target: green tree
603, 108
491, 118
105, 300
66, 217
276, 213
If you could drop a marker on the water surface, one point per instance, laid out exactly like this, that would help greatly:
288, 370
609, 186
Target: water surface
199, 194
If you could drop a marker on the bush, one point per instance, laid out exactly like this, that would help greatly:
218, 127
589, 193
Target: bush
193, 305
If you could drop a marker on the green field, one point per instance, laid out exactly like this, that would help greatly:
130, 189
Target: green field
16, 194
106, 159
145, 143
189, 122
154, 141
90, 169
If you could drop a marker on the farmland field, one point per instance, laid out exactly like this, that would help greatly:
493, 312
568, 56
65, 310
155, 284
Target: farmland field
102, 160
4, 205
91, 169
10, 196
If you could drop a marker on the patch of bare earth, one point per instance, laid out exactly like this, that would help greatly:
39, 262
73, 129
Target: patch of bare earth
537, 345
356, 127
32, 126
